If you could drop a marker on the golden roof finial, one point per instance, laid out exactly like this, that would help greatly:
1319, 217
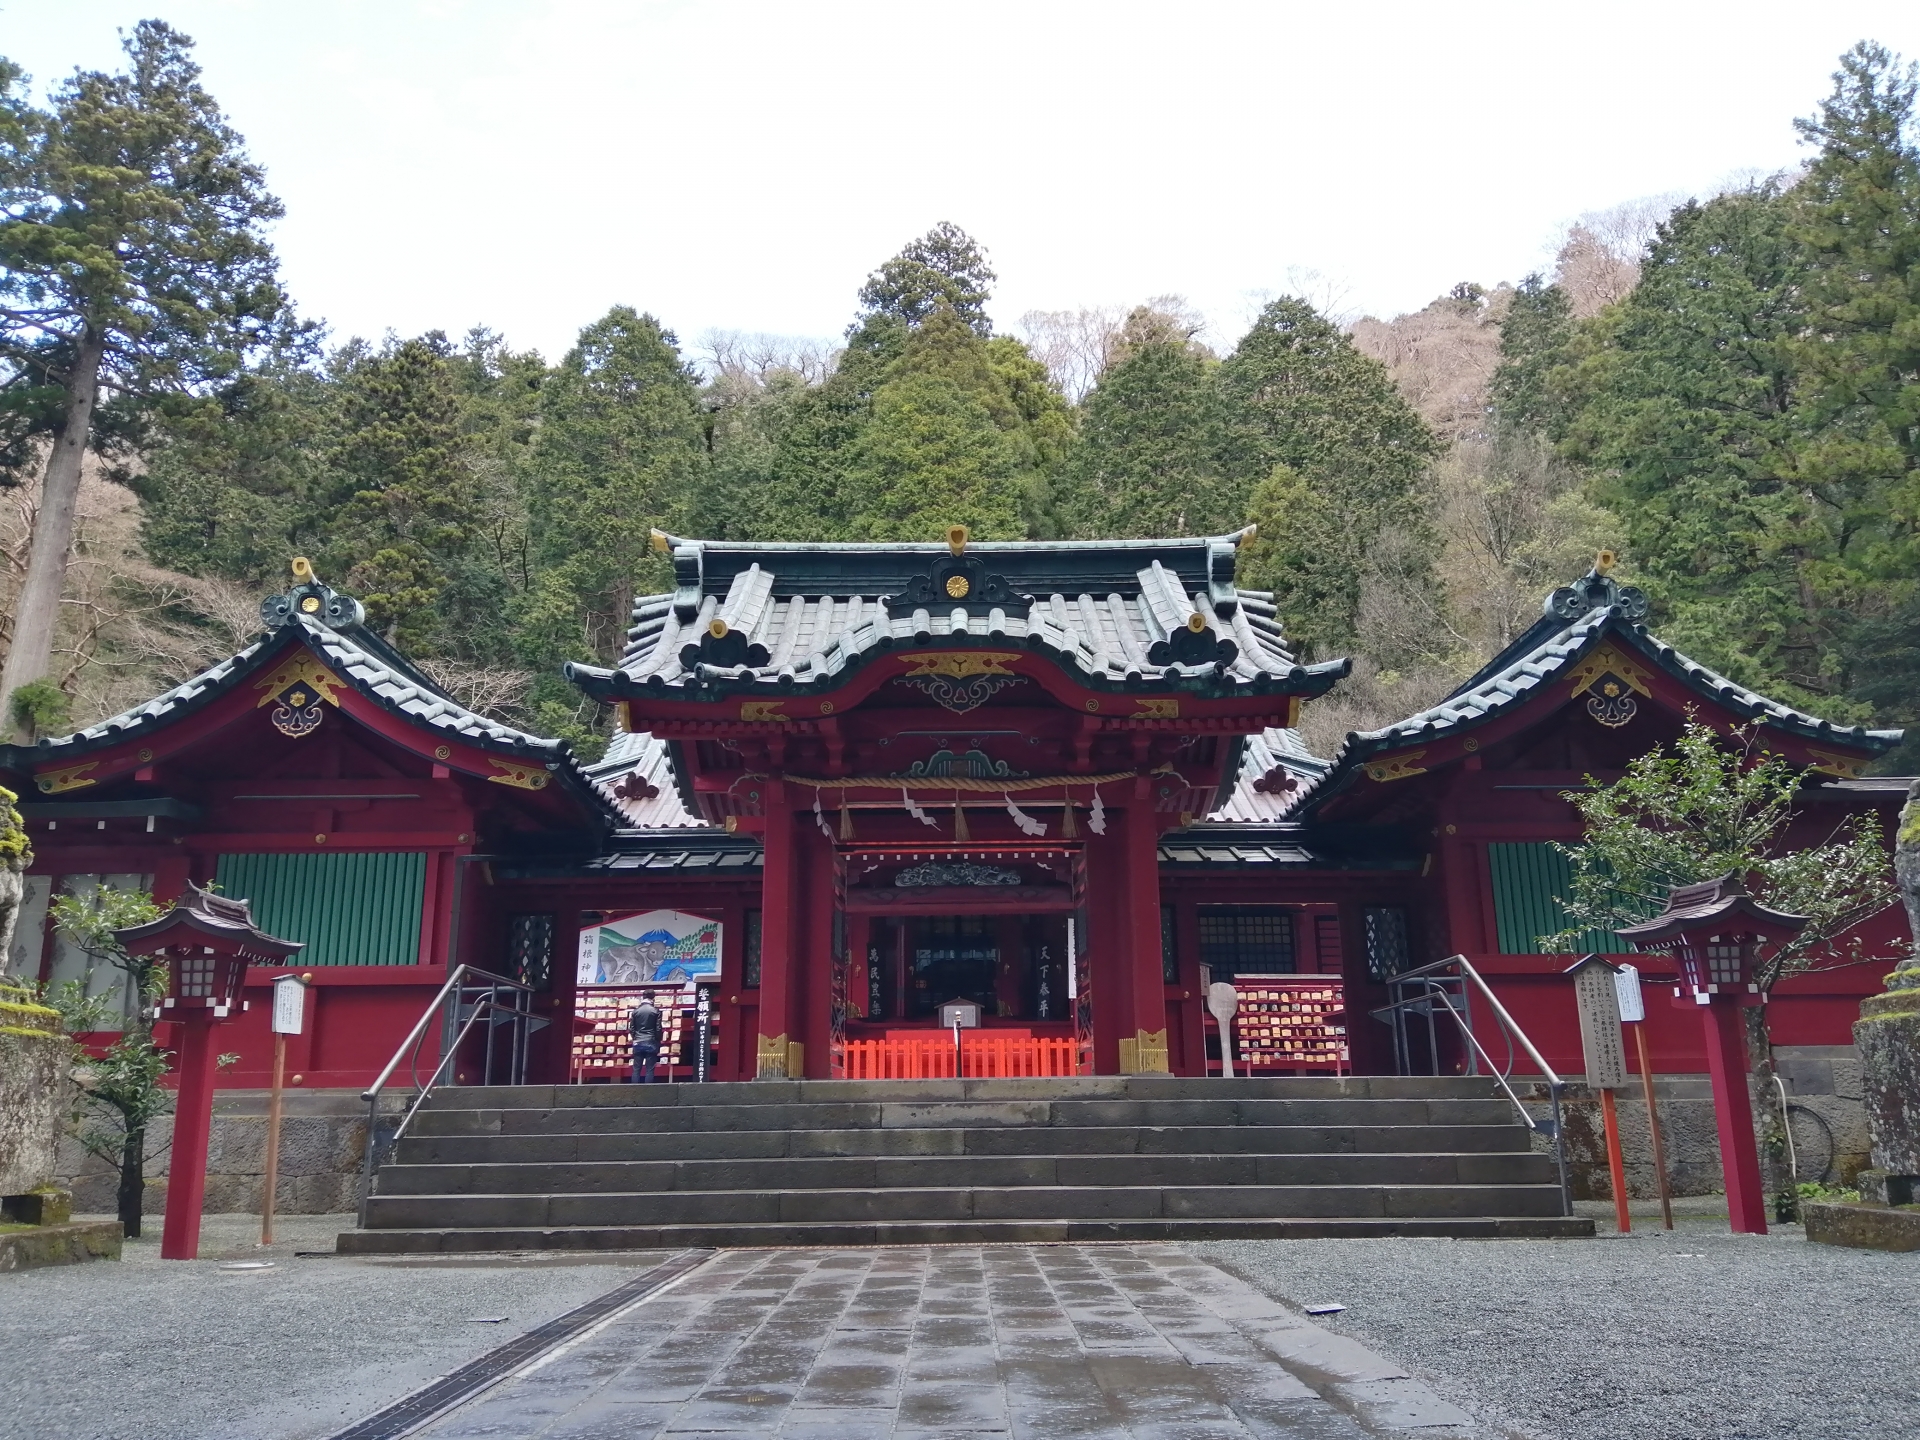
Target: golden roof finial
957, 538
1603, 562
302, 570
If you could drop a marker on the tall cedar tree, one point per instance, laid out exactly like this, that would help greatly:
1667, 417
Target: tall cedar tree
1859, 222
1535, 335
134, 264
946, 266
1859, 219
619, 452
406, 495
1322, 451
944, 444
925, 422
237, 487
1688, 410
1148, 459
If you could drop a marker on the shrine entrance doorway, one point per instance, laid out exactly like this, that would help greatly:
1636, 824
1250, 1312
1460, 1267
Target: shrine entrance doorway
996, 929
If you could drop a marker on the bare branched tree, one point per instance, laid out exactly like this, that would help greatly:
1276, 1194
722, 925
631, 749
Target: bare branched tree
127, 629
1077, 346
1442, 357
1072, 344
496, 691
737, 357
1599, 259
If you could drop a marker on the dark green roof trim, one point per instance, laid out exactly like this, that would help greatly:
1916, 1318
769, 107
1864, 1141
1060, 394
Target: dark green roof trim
334, 628
1118, 616
1578, 619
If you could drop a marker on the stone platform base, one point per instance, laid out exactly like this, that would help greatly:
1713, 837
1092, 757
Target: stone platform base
68, 1244
1864, 1227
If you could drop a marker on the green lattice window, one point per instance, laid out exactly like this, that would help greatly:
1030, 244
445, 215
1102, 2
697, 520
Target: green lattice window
349, 908
1528, 881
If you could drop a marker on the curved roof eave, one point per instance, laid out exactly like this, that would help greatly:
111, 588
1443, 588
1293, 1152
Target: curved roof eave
1516, 675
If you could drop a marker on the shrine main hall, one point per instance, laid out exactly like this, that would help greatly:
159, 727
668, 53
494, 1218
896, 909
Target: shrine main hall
857, 793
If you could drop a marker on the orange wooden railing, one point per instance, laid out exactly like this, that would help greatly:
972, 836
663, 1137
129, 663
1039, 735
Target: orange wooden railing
982, 1057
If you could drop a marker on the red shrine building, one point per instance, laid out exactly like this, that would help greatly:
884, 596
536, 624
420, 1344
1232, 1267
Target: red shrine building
858, 793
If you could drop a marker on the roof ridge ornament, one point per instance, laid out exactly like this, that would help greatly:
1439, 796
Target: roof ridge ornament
314, 599
958, 581
1597, 590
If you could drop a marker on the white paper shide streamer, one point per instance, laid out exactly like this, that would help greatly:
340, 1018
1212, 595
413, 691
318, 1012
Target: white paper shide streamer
820, 816
915, 811
1028, 825
1097, 821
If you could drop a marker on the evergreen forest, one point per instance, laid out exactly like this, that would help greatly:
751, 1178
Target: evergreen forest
1723, 388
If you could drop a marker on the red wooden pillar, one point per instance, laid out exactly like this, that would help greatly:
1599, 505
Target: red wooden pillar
1146, 987
1733, 1114
192, 1124
780, 942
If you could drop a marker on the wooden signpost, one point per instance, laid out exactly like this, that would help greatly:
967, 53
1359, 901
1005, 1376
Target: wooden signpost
1633, 1011
1222, 1001
1606, 1061
289, 1018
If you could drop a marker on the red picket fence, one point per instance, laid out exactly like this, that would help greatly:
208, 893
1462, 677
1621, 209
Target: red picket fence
983, 1056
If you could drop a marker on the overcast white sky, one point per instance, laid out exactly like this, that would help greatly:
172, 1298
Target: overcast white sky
743, 166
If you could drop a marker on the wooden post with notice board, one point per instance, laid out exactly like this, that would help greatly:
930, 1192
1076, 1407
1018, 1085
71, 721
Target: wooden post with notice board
1606, 1061
289, 1018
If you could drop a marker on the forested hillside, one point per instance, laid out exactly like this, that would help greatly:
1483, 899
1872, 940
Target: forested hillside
1726, 389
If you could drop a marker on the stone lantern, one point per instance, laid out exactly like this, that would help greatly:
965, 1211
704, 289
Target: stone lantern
206, 942
1716, 933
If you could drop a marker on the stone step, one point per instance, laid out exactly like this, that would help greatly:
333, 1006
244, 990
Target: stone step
1083, 1087
436, 1119
745, 1209
563, 1146
467, 1240
966, 1171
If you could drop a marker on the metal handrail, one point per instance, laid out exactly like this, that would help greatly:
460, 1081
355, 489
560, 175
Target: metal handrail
1432, 993
447, 1003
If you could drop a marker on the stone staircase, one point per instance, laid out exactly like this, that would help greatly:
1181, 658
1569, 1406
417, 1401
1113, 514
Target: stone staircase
959, 1161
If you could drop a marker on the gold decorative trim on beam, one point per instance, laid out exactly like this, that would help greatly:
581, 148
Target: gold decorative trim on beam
1156, 710
1845, 767
1396, 767
960, 663
518, 775
763, 711
302, 667
72, 777
1607, 660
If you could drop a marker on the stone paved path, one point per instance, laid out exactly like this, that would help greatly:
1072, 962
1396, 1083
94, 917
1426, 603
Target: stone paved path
1064, 1342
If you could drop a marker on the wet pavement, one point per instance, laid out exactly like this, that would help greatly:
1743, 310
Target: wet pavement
1065, 1342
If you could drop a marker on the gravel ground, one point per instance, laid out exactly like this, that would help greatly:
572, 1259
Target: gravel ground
152, 1350
1693, 1334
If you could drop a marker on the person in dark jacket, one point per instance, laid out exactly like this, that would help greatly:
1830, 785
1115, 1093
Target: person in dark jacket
643, 1024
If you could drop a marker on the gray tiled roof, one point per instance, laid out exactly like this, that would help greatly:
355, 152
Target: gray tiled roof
335, 633
388, 680
775, 618
1268, 762
1577, 618
637, 755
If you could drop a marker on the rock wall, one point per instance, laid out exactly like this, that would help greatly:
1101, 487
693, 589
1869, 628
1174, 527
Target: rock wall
322, 1146
1825, 1105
